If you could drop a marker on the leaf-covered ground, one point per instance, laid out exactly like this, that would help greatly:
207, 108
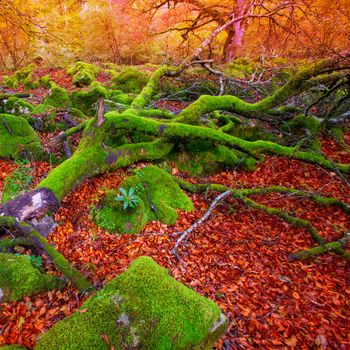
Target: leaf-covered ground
238, 258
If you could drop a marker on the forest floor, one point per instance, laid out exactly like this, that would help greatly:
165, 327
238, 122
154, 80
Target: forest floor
238, 257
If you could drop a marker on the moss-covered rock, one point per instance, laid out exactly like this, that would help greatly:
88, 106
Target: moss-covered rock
159, 196
302, 122
130, 80
58, 97
19, 278
84, 77
23, 75
86, 101
114, 218
16, 106
79, 66
18, 139
143, 308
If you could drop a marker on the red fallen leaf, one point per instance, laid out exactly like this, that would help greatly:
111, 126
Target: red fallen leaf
296, 295
292, 341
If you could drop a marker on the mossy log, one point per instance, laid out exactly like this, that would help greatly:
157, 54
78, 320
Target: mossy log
335, 247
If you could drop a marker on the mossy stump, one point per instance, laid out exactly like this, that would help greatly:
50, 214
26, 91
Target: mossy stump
143, 308
159, 196
19, 278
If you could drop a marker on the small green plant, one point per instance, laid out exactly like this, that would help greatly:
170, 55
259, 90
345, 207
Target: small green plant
35, 260
19, 182
128, 198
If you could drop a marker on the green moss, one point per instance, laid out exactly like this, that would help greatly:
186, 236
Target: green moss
79, 66
23, 75
12, 347
58, 97
202, 157
301, 122
159, 196
338, 136
114, 218
19, 278
86, 101
142, 308
130, 80
251, 133
11, 82
118, 96
16, 106
45, 81
17, 138
240, 68
84, 77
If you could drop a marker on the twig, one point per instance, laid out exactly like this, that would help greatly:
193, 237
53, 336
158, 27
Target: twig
186, 233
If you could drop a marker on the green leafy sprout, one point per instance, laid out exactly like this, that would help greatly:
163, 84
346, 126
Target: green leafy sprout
128, 198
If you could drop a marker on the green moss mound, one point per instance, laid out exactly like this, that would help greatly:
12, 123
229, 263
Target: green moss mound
159, 196
118, 96
84, 78
86, 101
18, 139
143, 308
23, 75
45, 81
19, 278
79, 66
130, 80
12, 347
58, 97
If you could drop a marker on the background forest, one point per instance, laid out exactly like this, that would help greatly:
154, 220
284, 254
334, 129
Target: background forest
161, 31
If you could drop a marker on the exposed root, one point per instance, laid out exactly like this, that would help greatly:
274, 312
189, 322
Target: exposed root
242, 194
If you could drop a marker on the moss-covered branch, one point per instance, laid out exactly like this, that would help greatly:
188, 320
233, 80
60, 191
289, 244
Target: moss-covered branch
335, 247
198, 188
183, 131
296, 85
285, 216
42, 245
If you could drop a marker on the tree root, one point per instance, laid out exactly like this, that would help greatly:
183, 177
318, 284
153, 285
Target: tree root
336, 247
253, 148
242, 194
